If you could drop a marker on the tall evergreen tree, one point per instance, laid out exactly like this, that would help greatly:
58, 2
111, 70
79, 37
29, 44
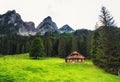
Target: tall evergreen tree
105, 18
37, 48
55, 42
62, 47
74, 43
48, 46
105, 45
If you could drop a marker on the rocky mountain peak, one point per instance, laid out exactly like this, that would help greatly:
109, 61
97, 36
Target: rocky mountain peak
48, 19
12, 22
11, 12
47, 25
66, 28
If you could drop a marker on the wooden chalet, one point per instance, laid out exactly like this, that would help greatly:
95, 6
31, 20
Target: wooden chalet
75, 57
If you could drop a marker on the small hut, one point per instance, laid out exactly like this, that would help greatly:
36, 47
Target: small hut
75, 57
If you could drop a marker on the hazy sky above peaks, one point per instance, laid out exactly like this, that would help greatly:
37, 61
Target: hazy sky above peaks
76, 13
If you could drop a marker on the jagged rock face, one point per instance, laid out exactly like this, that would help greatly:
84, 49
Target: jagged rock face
11, 22
47, 26
30, 26
66, 29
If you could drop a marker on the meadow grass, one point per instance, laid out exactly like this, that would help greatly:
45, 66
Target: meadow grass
20, 68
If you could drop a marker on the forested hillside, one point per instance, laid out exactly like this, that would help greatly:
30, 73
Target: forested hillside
59, 45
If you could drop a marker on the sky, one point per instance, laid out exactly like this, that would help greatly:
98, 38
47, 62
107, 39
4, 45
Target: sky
78, 14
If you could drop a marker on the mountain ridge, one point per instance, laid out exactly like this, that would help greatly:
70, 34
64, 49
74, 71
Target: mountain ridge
11, 22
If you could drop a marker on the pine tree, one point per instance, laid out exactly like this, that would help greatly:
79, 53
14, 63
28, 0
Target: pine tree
105, 18
105, 44
37, 49
62, 47
74, 43
48, 46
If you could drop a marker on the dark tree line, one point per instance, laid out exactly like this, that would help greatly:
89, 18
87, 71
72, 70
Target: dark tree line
63, 45
59, 45
14, 44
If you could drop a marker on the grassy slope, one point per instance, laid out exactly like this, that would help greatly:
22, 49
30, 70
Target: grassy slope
20, 68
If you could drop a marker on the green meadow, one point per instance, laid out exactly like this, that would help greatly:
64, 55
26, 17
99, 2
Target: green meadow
20, 68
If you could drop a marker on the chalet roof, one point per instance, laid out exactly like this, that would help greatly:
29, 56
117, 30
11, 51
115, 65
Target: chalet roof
75, 52
75, 55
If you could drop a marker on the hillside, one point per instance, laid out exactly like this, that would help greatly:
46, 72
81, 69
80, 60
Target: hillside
19, 68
